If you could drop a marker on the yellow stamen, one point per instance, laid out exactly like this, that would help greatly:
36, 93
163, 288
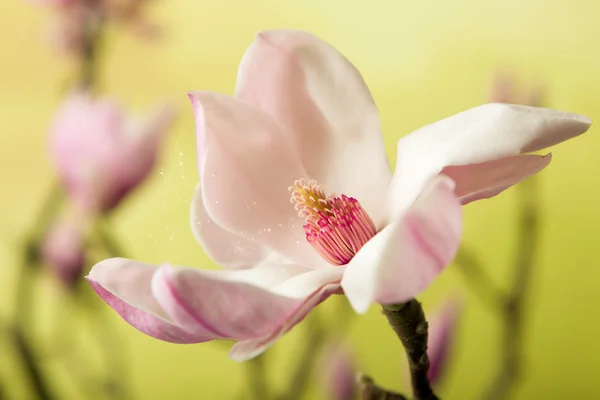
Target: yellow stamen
309, 198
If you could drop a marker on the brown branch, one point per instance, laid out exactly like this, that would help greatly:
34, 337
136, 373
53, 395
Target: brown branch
371, 391
409, 323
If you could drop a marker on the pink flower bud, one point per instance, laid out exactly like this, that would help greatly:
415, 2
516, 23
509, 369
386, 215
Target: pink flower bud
505, 90
442, 328
63, 251
100, 153
339, 373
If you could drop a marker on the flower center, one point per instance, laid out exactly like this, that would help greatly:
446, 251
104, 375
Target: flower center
337, 227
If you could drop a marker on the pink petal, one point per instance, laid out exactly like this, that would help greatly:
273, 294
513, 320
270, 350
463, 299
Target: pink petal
481, 134
485, 180
237, 304
442, 327
325, 106
246, 164
185, 305
125, 286
225, 247
140, 144
403, 259
147, 323
247, 349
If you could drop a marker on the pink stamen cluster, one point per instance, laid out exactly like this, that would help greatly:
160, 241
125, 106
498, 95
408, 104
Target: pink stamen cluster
337, 227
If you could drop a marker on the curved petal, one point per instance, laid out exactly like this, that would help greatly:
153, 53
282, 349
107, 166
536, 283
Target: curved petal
226, 248
246, 164
405, 257
485, 180
145, 322
125, 286
247, 349
236, 304
481, 134
324, 104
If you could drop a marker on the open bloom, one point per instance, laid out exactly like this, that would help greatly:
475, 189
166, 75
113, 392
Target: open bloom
101, 153
303, 127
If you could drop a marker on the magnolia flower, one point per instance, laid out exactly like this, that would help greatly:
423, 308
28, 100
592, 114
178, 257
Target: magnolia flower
442, 327
101, 153
63, 250
304, 128
338, 372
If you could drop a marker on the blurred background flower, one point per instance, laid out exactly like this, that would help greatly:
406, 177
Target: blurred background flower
443, 323
63, 250
101, 153
338, 371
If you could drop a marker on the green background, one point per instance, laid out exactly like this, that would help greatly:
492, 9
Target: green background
423, 61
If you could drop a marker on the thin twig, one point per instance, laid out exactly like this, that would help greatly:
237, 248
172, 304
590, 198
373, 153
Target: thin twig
93, 37
23, 293
513, 312
107, 240
30, 361
475, 274
299, 380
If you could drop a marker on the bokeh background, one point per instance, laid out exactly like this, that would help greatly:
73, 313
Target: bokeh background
423, 61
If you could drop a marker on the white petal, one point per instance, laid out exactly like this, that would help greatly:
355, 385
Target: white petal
404, 258
481, 134
325, 106
225, 247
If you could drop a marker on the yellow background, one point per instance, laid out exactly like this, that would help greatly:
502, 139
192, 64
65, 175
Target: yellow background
423, 61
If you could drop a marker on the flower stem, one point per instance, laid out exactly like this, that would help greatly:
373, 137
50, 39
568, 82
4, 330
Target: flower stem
371, 391
513, 310
108, 240
93, 36
409, 323
257, 378
30, 362
475, 274
23, 293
